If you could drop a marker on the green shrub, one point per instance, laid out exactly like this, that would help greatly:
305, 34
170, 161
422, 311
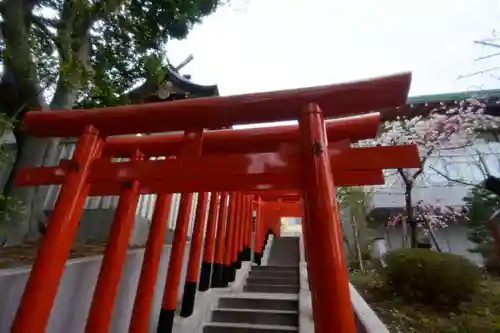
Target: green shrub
431, 277
492, 264
480, 204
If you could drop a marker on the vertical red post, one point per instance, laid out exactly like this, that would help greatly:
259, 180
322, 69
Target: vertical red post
189, 153
106, 289
150, 265
169, 303
258, 234
240, 217
241, 230
208, 252
228, 270
247, 237
217, 269
41, 289
331, 302
194, 256
246, 211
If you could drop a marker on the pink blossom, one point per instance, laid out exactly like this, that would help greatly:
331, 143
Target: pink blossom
443, 128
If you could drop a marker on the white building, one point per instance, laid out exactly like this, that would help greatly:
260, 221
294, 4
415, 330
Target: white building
446, 177
445, 181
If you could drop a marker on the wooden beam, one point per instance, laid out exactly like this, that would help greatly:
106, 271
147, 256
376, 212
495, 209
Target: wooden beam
335, 100
255, 140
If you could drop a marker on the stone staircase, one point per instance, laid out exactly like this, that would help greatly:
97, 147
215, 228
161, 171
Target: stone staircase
268, 303
273, 279
254, 315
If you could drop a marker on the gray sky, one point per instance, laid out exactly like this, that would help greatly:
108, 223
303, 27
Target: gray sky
279, 44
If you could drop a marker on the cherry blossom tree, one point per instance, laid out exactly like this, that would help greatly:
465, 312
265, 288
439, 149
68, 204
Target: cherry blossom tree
443, 128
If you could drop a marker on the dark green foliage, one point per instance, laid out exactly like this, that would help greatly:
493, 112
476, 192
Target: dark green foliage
431, 277
492, 263
102, 48
83, 53
130, 45
480, 205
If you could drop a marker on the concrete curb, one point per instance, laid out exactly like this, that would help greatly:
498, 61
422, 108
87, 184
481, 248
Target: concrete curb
306, 320
366, 319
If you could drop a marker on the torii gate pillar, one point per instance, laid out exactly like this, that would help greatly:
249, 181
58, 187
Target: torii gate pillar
322, 224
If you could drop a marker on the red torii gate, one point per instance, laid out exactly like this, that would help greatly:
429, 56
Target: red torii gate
107, 177
307, 167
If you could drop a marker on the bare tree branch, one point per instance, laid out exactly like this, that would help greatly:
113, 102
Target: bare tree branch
405, 178
102, 8
485, 43
42, 24
458, 181
422, 164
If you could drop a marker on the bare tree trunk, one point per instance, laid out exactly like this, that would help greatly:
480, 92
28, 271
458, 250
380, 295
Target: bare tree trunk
20, 223
9, 183
434, 240
359, 254
404, 236
21, 91
432, 235
346, 241
409, 217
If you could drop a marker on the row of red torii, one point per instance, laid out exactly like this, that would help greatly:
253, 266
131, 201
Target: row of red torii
270, 172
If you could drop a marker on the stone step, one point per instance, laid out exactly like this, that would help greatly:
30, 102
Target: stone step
273, 280
272, 274
259, 303
253, 316
247, 328
275, 268
285, 289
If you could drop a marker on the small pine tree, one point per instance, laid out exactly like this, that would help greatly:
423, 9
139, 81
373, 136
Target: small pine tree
480, 205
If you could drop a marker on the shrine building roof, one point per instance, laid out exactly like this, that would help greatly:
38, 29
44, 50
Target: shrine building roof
423, 104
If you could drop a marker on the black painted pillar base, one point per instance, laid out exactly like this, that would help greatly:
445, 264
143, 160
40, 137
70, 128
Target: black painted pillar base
218, 276
206, 271
188, 297
257, 258
267, 238
233, 272
229, 273
237, 263
246, 254
269, 233
166, 321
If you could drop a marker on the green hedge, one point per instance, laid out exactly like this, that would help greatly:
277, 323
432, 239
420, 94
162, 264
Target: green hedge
432, 277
